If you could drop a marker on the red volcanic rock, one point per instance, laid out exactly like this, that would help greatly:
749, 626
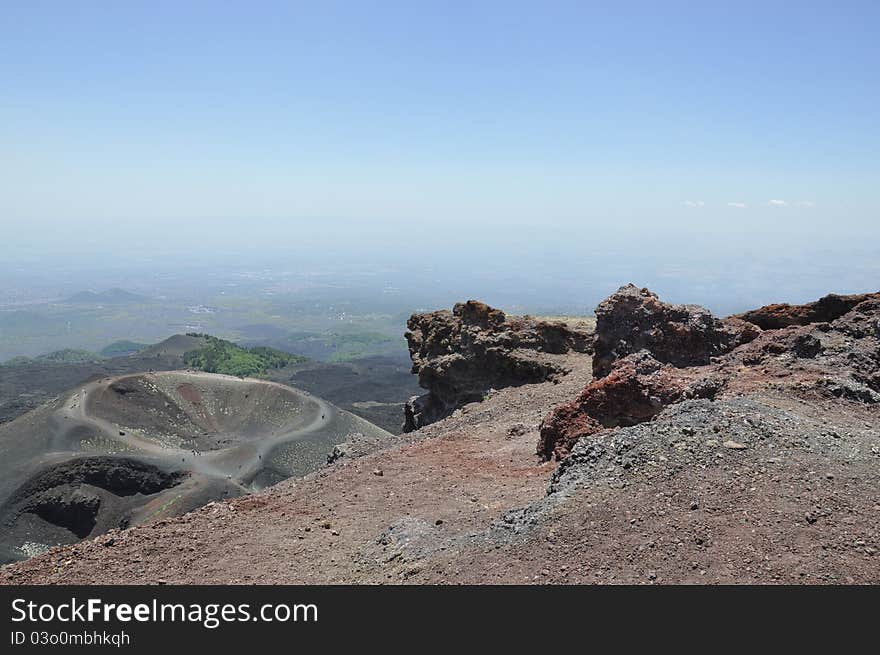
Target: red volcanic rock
824, 310
635, 391
460, 355
713, 358
634, 319
563, 428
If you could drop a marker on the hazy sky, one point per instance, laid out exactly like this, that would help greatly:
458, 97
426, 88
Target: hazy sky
120, 122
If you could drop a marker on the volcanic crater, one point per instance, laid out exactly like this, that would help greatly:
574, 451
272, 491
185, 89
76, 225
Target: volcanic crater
117, 451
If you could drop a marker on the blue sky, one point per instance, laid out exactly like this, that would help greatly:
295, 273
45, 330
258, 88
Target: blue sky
586, 117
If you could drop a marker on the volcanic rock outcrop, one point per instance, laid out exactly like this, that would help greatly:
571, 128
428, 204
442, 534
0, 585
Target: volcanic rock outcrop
633, 319
649, 354
824, 310
637, 389
460, 355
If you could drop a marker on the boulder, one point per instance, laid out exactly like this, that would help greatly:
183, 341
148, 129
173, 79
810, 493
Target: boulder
634, 319
636, 390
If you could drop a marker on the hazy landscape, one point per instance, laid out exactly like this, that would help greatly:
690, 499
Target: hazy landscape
439, 293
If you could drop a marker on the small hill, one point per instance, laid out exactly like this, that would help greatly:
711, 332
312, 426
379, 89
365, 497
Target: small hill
108, 297
122, 348
70, 355
221, 356
21, 360
65, 356
175, 346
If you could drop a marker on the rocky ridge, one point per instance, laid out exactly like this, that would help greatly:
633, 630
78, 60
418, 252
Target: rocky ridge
460, 355
650, 354
826, 309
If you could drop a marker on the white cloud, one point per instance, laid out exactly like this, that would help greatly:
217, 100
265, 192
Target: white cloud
693, 203
806, 203
777, 203
738, 205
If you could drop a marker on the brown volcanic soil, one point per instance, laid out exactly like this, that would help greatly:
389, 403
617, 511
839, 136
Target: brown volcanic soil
758, 515
798, 506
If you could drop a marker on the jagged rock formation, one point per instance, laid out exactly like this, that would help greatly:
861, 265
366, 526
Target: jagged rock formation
824, 310
634, 319
460, 355
706, 357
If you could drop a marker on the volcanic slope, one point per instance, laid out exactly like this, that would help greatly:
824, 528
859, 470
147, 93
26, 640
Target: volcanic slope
120, 450
704, 451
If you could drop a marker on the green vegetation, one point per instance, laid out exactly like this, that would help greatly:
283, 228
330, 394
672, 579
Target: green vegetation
345, 346
66, 356
18, 361
119, 348
221, 356
70, 356
362, 344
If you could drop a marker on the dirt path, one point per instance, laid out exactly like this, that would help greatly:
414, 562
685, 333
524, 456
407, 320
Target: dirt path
365, 520
239, 463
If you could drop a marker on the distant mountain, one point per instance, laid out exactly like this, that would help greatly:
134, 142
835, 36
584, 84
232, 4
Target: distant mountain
124, 347
70, 355
175, 346
108, 297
